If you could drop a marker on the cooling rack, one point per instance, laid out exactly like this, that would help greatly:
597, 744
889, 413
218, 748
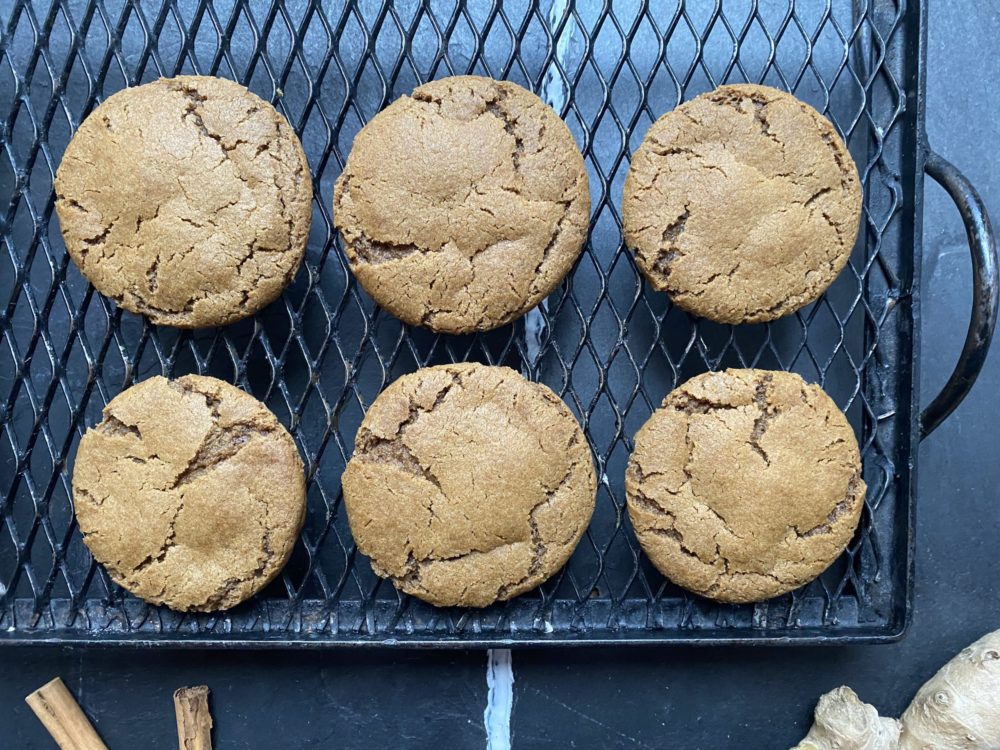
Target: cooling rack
606, 343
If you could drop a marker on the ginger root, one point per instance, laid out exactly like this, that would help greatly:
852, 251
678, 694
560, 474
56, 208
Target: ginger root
957, 709
843, 722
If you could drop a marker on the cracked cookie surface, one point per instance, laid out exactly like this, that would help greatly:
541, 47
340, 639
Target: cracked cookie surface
743, 204
189, 492
187, 200
745, 484
463, 205
468, 484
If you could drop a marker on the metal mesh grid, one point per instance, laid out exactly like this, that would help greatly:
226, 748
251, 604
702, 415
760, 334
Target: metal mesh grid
320, 355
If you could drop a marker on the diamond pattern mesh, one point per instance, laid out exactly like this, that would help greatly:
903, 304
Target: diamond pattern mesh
319, 356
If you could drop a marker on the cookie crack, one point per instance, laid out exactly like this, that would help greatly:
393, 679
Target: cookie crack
373, 252
838, 156
837, 227
668, 252
768, 311
689, 403
252, 249
81, 494
708, 592
760, 106
97, 240
641, 499
230, 585
392, 450
113, 425
495, 108
767, 414
492, 107
152, 278
297, 175
816, 196
149, 309
86, 244
760, 114
661, 149
842, 507
168, 543
195, 100
675, 535
218, 446
539, 549
635, 471
550, 246
220, 443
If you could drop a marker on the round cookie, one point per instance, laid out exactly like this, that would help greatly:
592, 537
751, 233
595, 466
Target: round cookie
462, 206
468, 484
745, 484
743, 204
189, 492
187, 200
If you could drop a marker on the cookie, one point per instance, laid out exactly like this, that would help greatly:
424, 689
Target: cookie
745, 484
468, 484
187, 200
743, 204
189, 492
462, 206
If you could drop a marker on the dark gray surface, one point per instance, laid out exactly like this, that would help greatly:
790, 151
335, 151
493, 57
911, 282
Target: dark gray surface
260, 699
677, 698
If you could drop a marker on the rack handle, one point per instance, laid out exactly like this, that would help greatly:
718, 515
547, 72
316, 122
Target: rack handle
985, 291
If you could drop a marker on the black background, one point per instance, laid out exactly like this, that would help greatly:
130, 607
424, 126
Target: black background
646, 697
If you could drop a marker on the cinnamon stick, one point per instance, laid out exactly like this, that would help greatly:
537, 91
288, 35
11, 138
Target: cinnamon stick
194, 720
62, 716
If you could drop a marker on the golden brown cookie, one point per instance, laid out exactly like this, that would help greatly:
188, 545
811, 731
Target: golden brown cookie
187, 200
189, 492
745, 484
468, 484
743, 204
463, 205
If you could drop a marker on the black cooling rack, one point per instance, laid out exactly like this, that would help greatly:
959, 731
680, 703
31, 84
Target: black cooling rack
608, 345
